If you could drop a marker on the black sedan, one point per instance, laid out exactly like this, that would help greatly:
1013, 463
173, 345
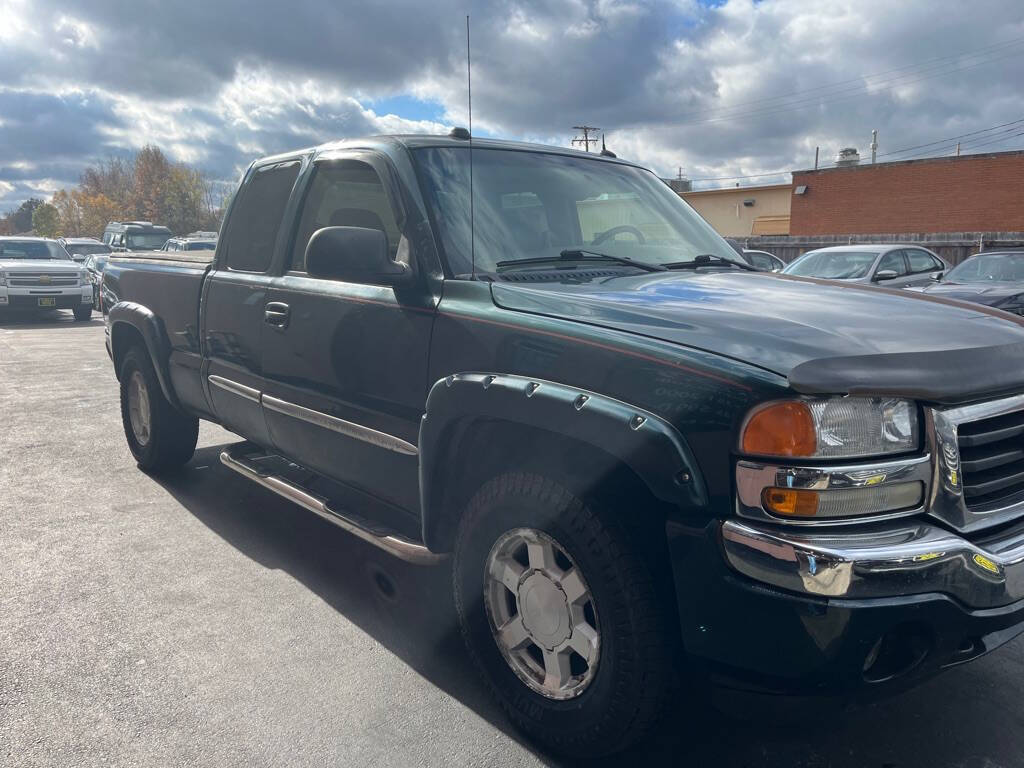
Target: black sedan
993, 278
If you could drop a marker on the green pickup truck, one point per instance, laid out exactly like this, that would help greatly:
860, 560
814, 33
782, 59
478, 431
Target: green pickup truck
653, 466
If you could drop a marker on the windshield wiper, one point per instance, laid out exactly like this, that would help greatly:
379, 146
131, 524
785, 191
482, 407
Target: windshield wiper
579, 254
709, 259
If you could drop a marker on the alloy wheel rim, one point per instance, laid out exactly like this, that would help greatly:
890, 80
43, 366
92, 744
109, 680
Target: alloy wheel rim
542, 613
138, 408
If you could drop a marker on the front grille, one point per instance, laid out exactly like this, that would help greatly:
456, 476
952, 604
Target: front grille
42, 280
992, 460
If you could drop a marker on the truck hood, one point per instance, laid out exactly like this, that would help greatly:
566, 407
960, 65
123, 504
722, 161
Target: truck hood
825, 337
38, 265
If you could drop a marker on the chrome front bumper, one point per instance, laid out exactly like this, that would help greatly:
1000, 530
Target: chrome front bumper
898, 558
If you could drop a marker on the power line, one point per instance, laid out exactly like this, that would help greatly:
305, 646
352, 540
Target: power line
942, 62
948, 145
923, 63
863, 90
949, 140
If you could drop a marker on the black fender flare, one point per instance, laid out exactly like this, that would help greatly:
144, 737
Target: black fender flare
650, 446
151, 329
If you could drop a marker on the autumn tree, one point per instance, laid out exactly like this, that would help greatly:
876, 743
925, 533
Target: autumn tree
46, 220
145, 186
69, 211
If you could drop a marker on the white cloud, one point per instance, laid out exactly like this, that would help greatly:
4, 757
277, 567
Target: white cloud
743, 87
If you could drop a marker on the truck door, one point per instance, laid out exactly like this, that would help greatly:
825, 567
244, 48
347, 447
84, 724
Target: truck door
345, 364
234, 296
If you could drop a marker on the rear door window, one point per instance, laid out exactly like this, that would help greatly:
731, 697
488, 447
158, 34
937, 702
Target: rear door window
922, 261
256, 217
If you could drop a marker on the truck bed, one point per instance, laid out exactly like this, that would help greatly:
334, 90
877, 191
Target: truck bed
169, 285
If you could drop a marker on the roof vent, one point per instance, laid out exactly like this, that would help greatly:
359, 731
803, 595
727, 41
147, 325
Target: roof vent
847, 156
459, 133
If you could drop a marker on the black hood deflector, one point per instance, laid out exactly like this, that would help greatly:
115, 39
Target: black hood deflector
947, 377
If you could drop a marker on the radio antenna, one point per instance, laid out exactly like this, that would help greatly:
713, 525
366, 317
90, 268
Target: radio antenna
469, 95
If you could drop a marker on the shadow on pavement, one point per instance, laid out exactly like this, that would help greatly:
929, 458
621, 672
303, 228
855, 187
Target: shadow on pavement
968, 717
55, 318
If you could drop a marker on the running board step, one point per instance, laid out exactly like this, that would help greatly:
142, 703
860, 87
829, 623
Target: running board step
391, 542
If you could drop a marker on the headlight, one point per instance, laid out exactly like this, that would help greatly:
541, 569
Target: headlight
3, 279
830, 428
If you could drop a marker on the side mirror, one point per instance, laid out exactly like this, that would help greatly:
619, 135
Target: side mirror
885, 274
355, 255
936, 276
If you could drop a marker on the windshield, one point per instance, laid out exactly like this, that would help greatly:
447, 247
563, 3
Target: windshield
85, 249
834, 265
146, 241
32, 249
989, 267
530, 205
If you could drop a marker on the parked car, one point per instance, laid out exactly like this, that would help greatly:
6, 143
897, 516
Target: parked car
81, 247
764, 260
38, 275
645, 456
191, 243
897, 266
135, 236
94, 266
994, 278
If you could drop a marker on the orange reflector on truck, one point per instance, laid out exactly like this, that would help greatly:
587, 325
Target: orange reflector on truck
791, 502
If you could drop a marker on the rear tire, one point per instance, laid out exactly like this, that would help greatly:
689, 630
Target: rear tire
82, 313
607, 705
159, 435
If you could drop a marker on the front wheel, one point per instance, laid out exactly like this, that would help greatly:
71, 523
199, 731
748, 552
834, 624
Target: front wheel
560, 612
82, 313
159, 435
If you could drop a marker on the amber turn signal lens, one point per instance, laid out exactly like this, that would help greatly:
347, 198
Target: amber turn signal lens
780, 429
790, 502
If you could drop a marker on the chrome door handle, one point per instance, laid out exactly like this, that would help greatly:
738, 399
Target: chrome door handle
276, 313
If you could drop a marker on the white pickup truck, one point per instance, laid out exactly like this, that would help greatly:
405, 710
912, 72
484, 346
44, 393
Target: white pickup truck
37, 274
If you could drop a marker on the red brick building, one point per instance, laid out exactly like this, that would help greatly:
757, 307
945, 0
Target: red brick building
970, 193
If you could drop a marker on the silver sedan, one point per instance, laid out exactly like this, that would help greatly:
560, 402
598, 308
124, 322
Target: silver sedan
895, 266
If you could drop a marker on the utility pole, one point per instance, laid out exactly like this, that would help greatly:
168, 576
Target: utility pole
585, 140
874, 146
816, 157
958, 149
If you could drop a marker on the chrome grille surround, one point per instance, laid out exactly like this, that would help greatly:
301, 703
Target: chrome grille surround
41, 279
948, 502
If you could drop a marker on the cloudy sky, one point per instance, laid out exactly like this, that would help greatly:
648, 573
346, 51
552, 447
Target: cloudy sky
722, 88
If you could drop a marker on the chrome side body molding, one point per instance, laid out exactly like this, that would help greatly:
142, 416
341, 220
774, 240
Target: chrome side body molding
235, 388
318, 418
348, 428
398, 546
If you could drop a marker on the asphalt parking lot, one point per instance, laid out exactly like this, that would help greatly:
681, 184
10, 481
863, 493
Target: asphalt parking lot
200, 620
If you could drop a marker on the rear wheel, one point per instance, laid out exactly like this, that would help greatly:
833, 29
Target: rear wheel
159, 435
559, 611
82, 313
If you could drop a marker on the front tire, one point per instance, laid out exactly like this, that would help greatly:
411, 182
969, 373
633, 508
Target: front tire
159, 435
82, 313
560, 612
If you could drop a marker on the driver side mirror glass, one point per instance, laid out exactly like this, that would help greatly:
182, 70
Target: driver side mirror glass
355, 255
